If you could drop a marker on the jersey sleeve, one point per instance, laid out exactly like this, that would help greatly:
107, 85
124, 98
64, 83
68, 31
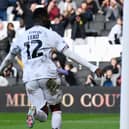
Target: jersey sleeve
15, 48
60, 43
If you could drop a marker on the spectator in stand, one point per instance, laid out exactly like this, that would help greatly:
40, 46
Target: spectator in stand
78, 21
11, 74
107, 80
4, 42
6, 39
104, 5
10, 32
59, 24
3, 9
67, 14
10, 71
53, 10
69, 75
111, 72
121, 2
87, 13
65, 69
115, 34
111, 10
64, 5
114, 65
111, 76
98, 3
92, 5
17, 11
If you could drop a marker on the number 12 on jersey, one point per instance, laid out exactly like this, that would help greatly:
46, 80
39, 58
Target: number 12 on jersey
35, 52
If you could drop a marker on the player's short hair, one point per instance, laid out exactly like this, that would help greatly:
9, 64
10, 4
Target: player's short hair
41, 17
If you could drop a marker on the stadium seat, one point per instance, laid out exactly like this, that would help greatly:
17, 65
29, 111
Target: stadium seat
99, 18
109, 25
94, 27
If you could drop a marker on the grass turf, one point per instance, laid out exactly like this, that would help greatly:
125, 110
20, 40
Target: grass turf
70, 121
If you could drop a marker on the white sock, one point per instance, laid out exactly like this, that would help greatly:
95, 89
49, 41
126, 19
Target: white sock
56, 120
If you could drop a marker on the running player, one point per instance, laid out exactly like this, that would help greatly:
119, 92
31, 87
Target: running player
40, 74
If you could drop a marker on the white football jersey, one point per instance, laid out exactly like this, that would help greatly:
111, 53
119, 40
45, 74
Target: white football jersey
35, 46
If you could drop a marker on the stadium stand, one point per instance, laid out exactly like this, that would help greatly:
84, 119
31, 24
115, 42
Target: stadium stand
94, 47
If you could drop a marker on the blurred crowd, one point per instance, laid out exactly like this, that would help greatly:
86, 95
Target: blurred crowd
69, 18
111, 75
64, 14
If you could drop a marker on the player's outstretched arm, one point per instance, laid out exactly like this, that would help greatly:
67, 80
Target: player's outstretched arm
67, 52
8, 59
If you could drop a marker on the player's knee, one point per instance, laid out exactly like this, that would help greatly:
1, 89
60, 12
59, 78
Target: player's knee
41, 116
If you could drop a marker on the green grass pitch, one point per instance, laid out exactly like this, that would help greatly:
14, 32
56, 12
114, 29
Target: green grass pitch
70, 121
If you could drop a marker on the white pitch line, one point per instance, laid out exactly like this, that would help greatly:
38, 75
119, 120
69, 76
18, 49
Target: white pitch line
89, 121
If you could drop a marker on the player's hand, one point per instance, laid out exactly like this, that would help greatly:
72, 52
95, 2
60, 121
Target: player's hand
98, 72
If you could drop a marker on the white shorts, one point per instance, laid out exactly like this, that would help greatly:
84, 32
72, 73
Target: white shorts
41, 91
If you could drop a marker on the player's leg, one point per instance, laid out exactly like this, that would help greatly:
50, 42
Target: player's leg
56, 119
53, 95
37, 100
42, 114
